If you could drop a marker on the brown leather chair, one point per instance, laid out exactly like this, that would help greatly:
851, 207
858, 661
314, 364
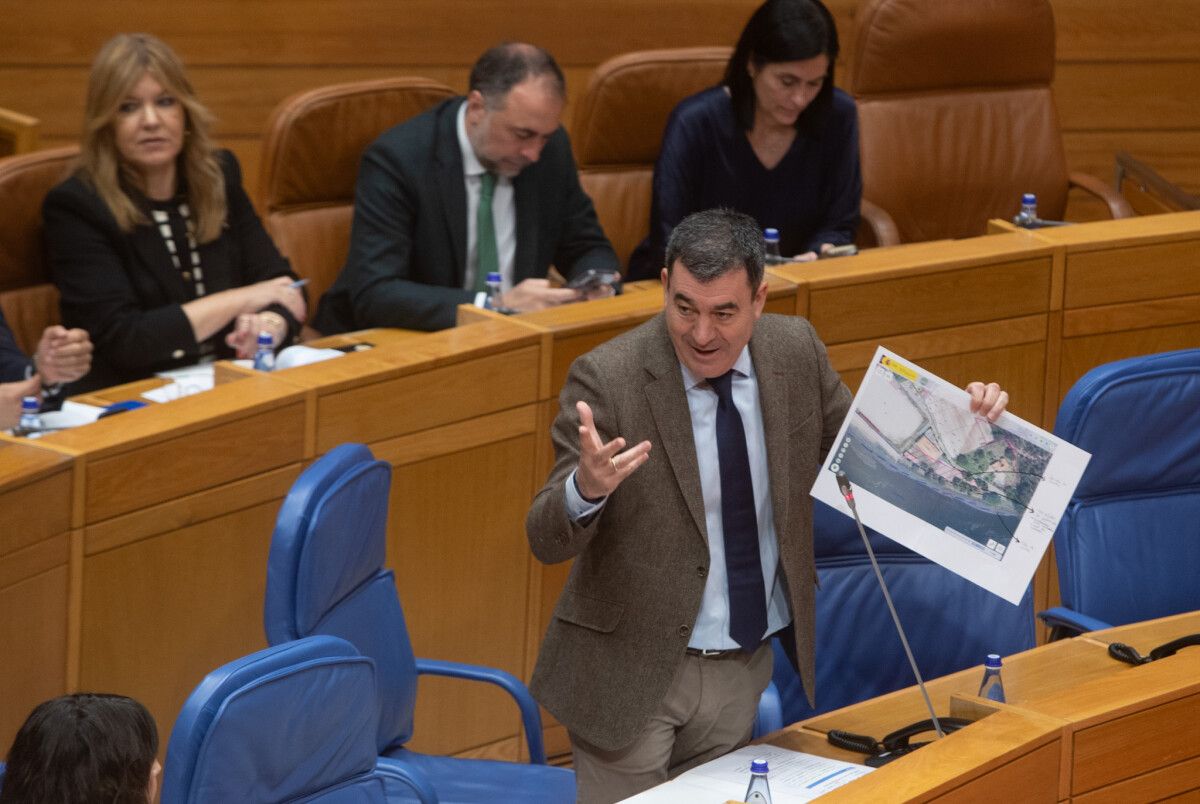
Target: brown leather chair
957, 117
618, 127
29, 299
310, 163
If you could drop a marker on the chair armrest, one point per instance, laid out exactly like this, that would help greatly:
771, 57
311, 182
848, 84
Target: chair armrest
398, 775
879, 223
531, 718
770, 712
1118, 207
1065, 622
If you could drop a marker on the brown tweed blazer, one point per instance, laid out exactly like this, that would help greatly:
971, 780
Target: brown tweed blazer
623, 621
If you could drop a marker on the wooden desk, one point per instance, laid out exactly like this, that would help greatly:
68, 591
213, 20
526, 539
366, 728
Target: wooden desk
456, 414
170, 507
1078, 725
137, 545
35, 547
1130, 287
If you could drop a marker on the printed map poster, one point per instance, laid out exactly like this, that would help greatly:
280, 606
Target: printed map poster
982, 499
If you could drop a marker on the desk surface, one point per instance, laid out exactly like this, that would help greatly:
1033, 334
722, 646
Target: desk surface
1076, 723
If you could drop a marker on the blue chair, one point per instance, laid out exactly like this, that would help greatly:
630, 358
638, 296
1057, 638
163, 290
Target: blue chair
326, 575
1128, 546
951, 623
289, 723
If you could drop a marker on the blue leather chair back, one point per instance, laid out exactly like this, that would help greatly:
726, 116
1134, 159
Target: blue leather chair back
291, 723
951, 623
325, 575
1128, 547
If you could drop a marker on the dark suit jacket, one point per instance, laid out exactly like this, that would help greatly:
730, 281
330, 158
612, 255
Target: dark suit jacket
408, 243
125, 291
13, 362
624, 619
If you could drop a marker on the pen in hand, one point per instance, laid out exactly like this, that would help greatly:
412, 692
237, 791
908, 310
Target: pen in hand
299, 283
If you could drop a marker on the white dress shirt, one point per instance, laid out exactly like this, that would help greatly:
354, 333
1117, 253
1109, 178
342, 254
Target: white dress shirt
504, 213
711, 630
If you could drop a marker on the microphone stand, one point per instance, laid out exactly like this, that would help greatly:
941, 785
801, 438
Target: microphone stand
848, 494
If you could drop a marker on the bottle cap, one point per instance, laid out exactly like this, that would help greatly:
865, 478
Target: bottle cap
993, 660
265, 339
493, 276
30, 404
1028, 198
771, 234
758, 766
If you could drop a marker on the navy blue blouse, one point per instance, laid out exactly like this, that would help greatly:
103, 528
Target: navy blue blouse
812, 196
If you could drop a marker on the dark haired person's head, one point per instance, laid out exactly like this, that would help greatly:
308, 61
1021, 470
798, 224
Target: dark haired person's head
514, 103
713, 288
782, 68
85, 748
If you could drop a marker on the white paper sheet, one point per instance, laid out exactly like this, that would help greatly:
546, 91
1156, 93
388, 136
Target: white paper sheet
187, 381
794, 777
978, 498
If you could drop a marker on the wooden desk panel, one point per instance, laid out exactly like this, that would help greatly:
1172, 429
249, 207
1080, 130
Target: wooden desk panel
1005, 752
35, 519
176, 466
462, 571
928, 300
1077, 724
1115, 275
428, 399
161, 612
35, 485
34, 633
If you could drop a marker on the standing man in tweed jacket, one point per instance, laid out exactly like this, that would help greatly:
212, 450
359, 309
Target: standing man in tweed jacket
685, 451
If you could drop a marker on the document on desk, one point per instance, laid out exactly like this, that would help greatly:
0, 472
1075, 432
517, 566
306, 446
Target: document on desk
982, 499
794, 777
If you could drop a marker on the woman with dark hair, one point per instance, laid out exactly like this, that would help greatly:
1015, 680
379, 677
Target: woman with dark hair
84, 748
153, 244
776, 141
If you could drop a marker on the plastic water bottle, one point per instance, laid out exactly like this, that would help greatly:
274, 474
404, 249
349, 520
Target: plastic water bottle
494, 289
992, 687
759, 792
771, 246
1028, 216
31, 419
264, 357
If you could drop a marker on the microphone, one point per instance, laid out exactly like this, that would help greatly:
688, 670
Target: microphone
848, 495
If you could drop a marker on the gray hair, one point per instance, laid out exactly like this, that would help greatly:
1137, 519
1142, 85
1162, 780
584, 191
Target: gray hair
714, 242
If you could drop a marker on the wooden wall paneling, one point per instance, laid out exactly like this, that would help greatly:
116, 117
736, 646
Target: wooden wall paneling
1174, 154
366, 31
1128, 96
1114, 30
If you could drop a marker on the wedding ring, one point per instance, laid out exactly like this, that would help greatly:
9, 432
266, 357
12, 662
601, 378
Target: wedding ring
613, 461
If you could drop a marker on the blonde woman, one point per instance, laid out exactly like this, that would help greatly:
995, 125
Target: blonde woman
153, 244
